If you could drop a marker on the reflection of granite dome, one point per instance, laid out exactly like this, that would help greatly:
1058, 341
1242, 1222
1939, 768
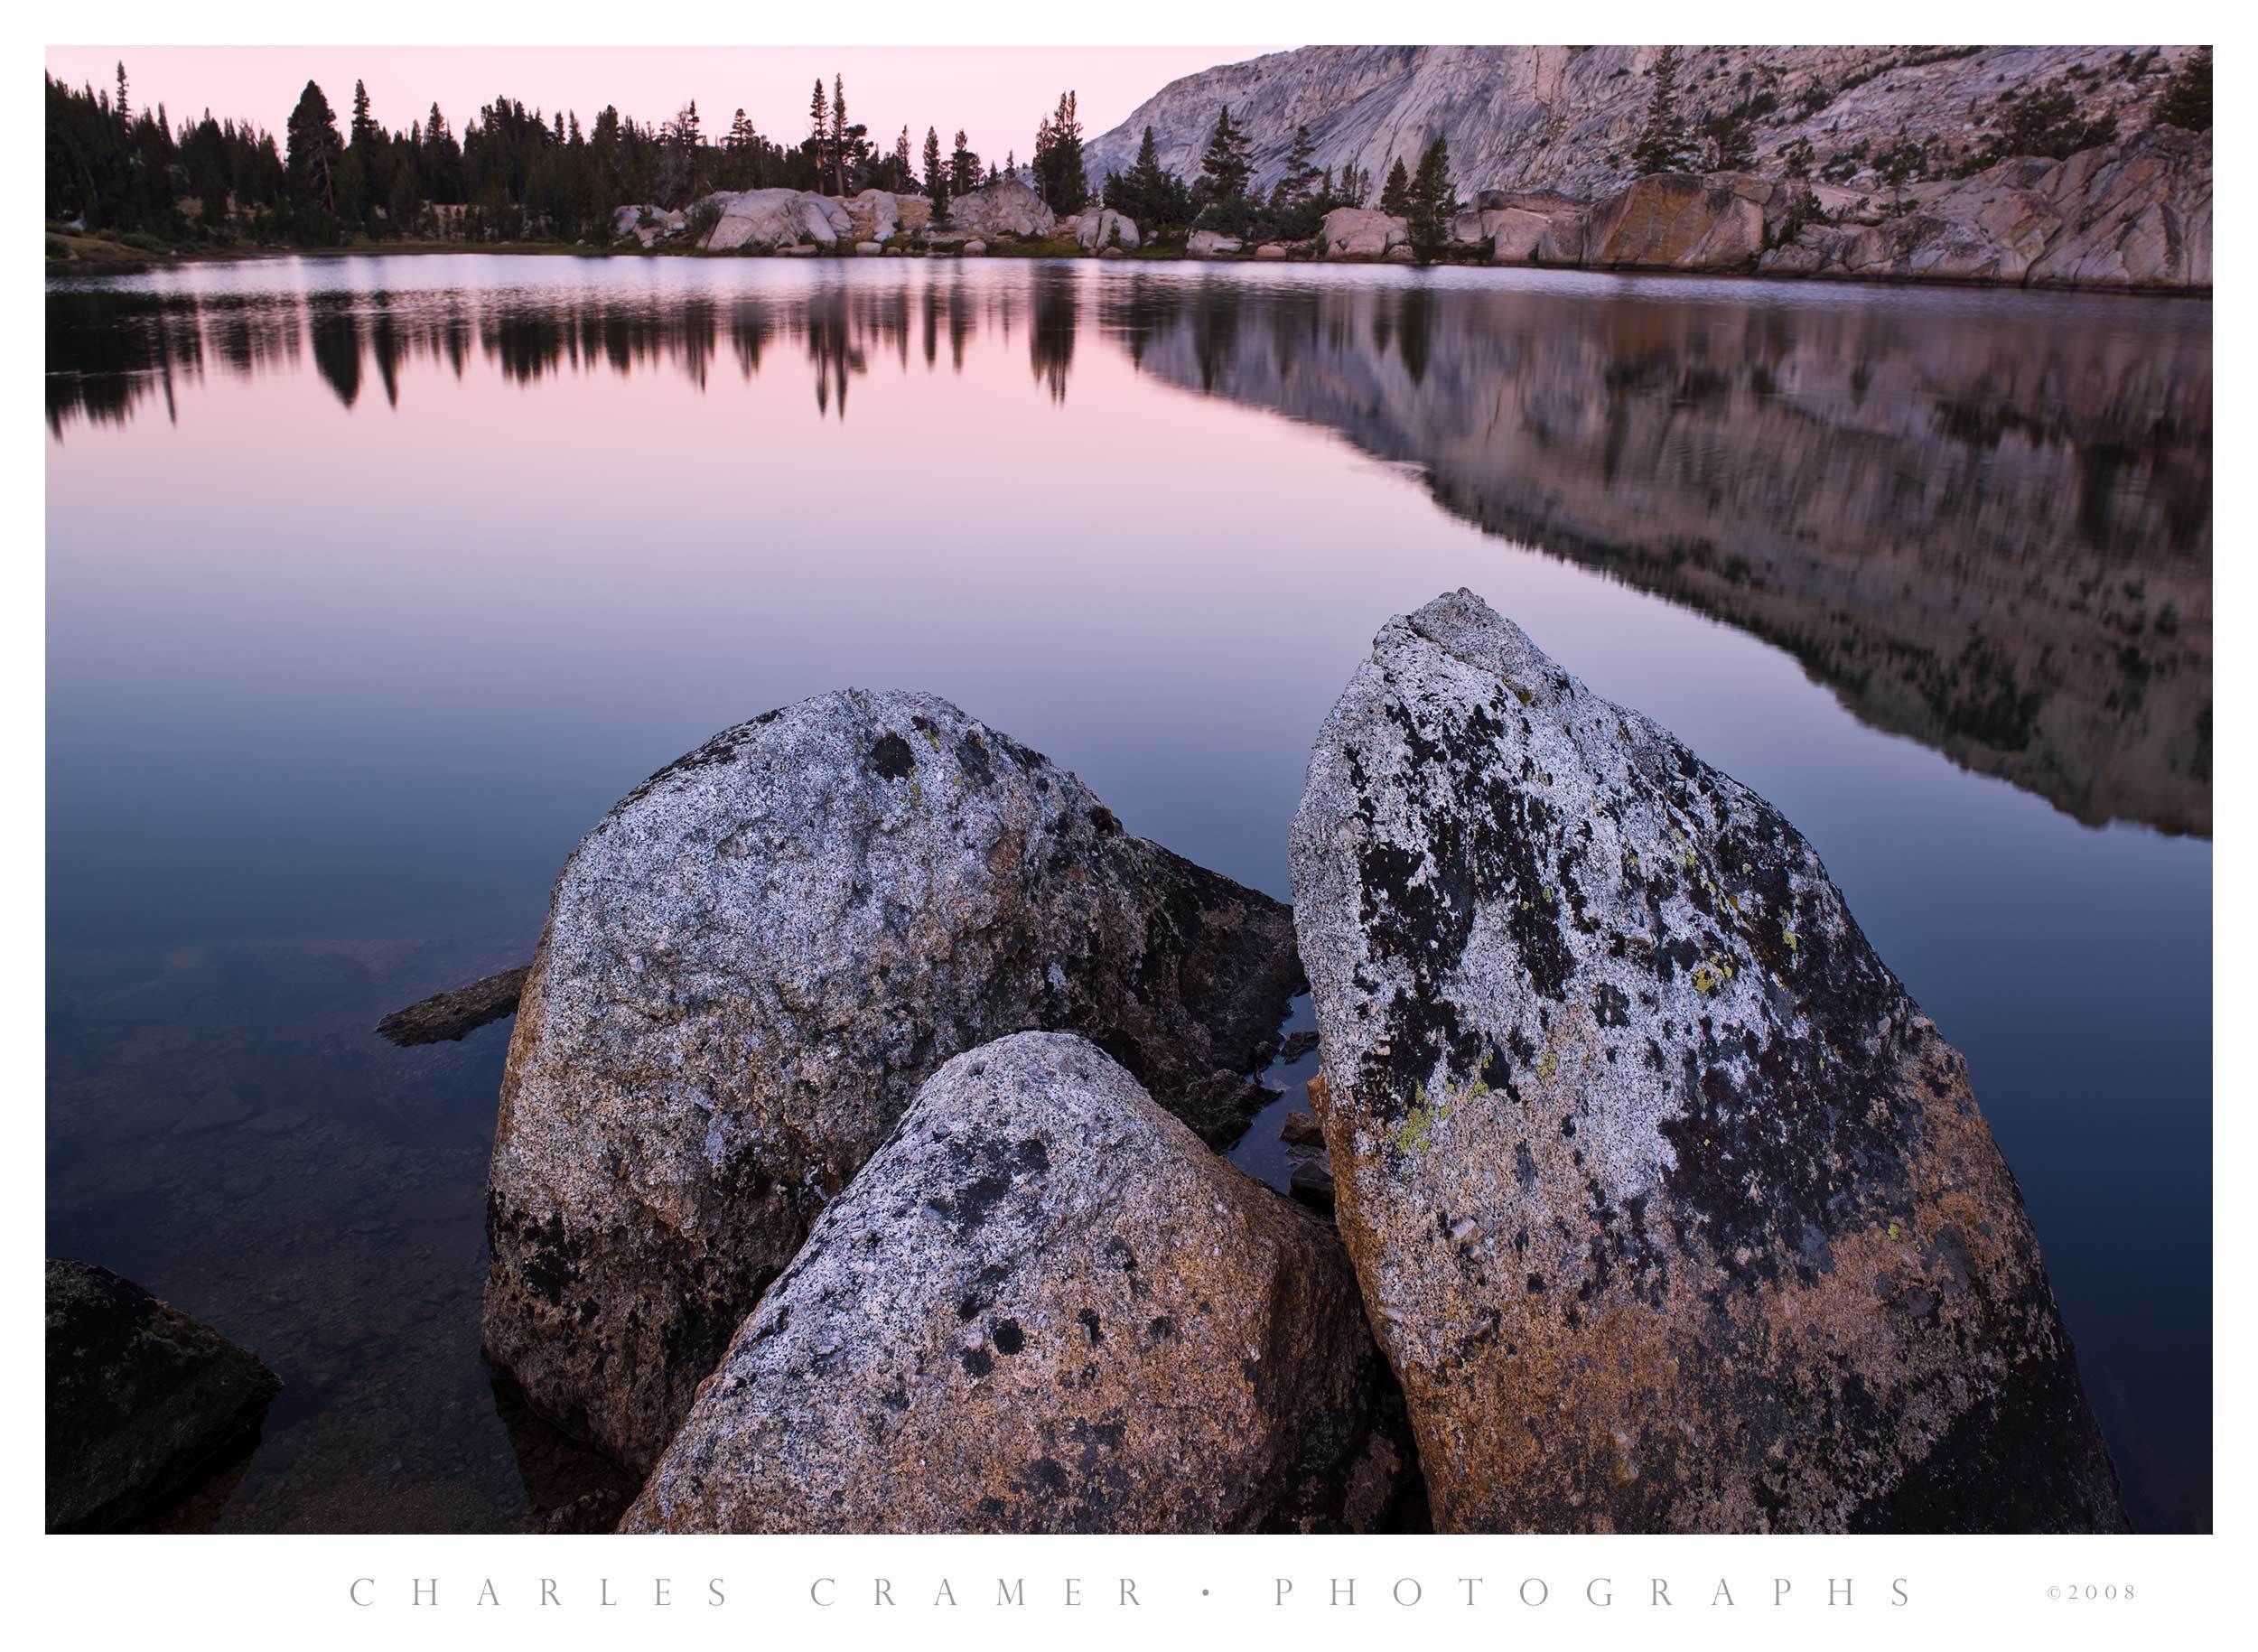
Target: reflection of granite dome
1863, 485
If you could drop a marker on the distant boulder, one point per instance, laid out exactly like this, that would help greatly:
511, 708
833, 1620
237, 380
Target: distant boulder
1210, 243
749, 968
874, 215
1043, 1306
1355, 232
1006, 207
776, 219
1102, 228
1671, 1208
141, 1400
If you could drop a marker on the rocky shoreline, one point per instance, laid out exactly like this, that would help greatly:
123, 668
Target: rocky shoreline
2133, 215
836, 1189
858, 1162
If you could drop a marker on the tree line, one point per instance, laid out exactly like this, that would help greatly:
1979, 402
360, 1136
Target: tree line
511, 173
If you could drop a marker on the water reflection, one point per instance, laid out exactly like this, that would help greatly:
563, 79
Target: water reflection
1980, 527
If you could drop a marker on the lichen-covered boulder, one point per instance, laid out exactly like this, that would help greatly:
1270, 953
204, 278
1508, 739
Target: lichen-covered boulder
749, 968
1670, 1208
141, 1400
1043, 1306
1006, 207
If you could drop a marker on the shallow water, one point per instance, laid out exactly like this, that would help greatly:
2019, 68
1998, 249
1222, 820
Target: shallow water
373, 582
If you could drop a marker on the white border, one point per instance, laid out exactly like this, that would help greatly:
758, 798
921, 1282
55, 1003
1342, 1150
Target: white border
272, 1591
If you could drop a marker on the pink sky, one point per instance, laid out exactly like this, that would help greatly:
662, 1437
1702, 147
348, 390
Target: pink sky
996, 93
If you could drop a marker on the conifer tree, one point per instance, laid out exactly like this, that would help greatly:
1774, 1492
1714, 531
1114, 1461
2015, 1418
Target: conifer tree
839, 133
1432, 201
313, 152
1299, 183
1059, 177
819, 130
1396, 194
2185, 102
963, 168
1662, 145
936, 173
1228, 161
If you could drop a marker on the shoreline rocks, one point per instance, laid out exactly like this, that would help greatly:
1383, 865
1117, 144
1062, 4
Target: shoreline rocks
1671, 1209
1006, 207
751, 966
143, 1401
1043, 1306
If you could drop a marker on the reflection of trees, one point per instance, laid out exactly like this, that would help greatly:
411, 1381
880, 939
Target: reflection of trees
109, 348
1054, 318
336, 334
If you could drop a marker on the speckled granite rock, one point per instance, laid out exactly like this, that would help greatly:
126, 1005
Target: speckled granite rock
141, 1400
1043, 1306
748, 970
1670, 1208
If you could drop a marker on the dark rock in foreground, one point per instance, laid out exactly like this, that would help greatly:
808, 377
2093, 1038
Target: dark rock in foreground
141, 1400
454, 1014
1043, 1306
751, 966
1670, 1208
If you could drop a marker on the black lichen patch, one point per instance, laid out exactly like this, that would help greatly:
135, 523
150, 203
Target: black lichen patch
891, 758
1008, 1337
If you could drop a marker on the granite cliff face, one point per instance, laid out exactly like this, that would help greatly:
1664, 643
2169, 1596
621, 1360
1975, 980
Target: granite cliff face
1565, 117
1864, 486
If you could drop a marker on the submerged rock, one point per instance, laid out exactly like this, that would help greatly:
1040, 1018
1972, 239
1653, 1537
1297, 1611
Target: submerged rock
1670, 1208
1043, 1306
142, 1401
749, 968
459, 1012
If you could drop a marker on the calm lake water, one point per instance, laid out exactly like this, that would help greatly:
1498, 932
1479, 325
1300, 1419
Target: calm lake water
373, 582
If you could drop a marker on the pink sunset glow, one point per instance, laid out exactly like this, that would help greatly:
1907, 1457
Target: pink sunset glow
997, 94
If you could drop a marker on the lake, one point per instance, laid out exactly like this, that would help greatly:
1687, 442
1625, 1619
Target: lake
372, 583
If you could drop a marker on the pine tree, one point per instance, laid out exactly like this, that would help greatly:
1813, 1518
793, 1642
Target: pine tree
1228, 161
839, 132
1059, 177
1662, 145
819, 130
1396, 194
902, 173
2185, 102
313, 152
124, 110
364, 128
936, 173
1432, 198
1299, 182
963, 168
